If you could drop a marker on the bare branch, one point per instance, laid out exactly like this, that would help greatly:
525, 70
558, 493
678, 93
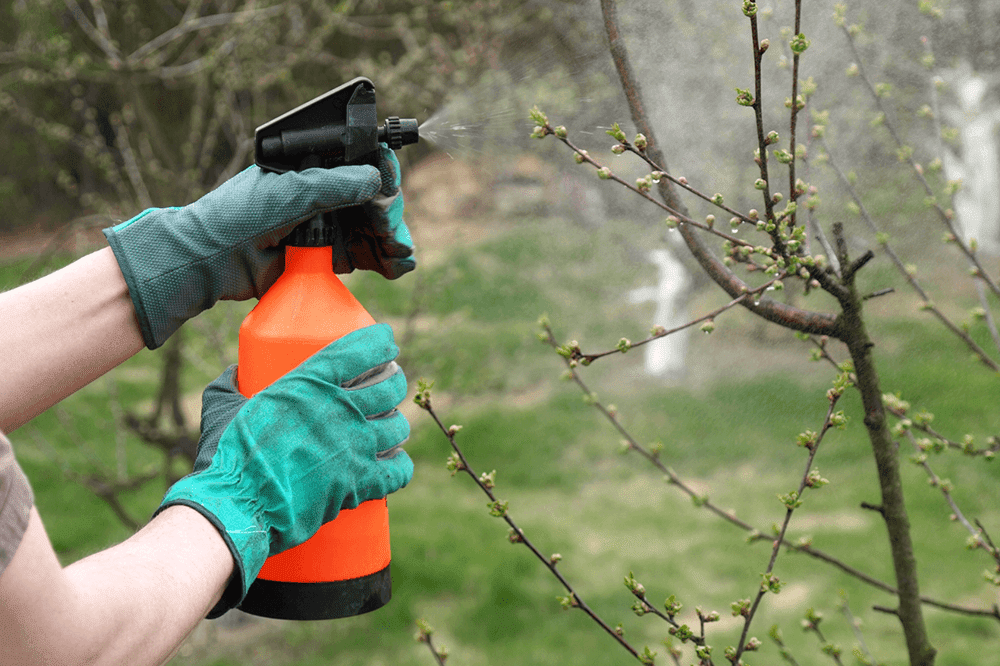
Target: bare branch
945, 216
773, 311
99, 37
908, 273
517, 535
195, 25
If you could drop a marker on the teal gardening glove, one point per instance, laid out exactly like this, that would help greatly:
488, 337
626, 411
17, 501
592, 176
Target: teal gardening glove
178, 262
273, 469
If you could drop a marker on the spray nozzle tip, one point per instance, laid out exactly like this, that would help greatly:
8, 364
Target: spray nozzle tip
398, 132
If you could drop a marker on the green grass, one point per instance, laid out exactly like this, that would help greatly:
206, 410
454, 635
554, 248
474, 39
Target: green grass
731, 436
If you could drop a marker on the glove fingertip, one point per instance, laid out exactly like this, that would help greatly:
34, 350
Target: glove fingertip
404, 463
390, 170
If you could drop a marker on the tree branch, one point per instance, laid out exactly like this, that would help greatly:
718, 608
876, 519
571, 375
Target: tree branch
773, 311
499, 509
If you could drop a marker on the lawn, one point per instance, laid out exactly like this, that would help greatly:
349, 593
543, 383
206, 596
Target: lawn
469, 322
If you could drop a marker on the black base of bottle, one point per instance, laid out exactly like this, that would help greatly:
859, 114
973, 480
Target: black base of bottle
318, 601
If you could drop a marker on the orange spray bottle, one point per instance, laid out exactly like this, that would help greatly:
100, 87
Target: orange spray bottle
343, 570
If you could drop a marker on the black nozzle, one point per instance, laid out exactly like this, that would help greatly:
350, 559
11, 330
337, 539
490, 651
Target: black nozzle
398, 132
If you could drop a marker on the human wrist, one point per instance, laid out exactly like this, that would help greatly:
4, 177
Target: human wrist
237, 524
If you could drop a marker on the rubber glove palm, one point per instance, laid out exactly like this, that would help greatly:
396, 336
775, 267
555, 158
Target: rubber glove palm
178, 262
272, 470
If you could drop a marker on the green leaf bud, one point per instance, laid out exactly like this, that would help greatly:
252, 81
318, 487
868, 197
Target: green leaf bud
814, 480
799, 44
454, 464
633, 586
783, 156
616, 133
770, 583
791, 500
672, 606
539, 117
498, 509
488, 480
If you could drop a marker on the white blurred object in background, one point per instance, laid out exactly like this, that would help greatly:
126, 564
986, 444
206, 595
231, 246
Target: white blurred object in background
666, 357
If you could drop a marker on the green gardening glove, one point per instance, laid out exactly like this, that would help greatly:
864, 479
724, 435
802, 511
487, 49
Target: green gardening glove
178, 262
273, 469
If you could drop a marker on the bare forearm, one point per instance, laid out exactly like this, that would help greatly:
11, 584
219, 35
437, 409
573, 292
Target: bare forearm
61, 332
131, 604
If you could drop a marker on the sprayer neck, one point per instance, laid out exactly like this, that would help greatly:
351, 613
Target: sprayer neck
308, 259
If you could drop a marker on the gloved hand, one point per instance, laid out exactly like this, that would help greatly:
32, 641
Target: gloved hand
272, 470
178, 262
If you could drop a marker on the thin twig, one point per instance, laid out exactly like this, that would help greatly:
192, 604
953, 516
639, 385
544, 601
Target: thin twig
945, 216
908, 274
808, 480
517, 534
856, 628
195, 25
672, 478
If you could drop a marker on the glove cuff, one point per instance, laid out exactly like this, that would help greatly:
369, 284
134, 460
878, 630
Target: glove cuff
131, 280
244, 536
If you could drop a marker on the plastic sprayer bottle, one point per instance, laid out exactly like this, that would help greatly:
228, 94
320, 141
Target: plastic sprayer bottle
343, 570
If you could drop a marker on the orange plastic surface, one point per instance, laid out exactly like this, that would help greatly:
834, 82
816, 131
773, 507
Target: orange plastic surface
306, 309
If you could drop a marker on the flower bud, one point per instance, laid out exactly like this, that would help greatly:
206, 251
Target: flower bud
799, 44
